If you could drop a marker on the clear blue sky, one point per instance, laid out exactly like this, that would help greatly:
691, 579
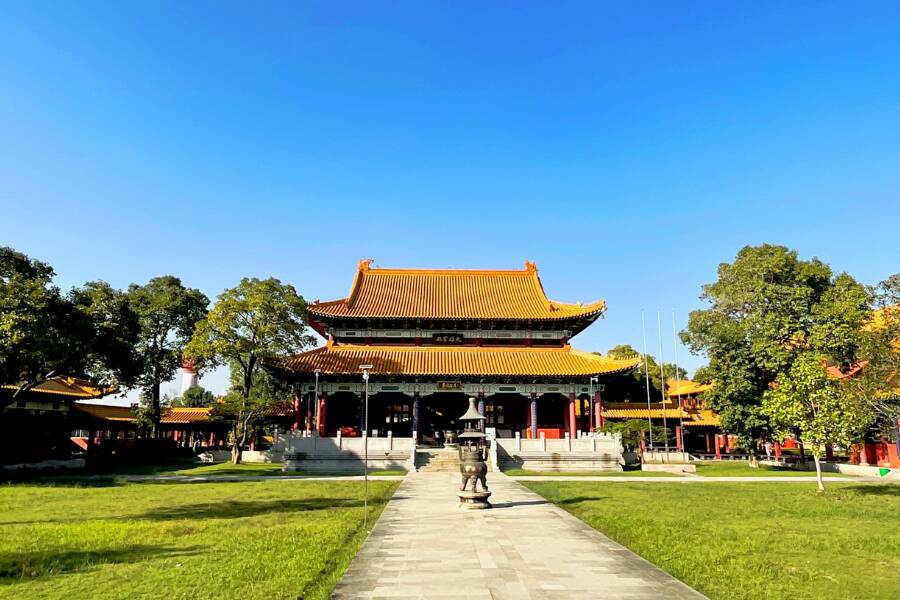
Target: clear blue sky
627, 148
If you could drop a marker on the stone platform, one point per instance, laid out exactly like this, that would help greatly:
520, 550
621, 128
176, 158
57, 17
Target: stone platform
424, 546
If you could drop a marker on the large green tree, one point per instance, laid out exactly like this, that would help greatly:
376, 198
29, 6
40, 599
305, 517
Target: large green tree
821, 408
107, 332
877, 383
257, 318
167, 312
87, 333
765, 308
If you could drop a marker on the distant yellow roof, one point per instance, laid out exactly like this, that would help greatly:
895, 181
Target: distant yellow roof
688, 416
105, 412
68, 386
685, 387
453, 361
182, 414
450, 294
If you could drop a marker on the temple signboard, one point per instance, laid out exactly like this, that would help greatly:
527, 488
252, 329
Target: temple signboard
447, 338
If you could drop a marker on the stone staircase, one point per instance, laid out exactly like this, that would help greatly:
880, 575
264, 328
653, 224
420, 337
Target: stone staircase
437, 459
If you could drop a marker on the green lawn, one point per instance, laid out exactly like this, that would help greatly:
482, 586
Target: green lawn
108, 539
526, 472
740, 468
201, 469
752, 540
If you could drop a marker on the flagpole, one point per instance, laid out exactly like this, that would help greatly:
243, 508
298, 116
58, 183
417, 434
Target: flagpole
678, 382
662, 382
647, 376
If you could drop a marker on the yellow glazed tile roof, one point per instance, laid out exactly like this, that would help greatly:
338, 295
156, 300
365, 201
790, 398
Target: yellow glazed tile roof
68, 386
693, 417
184, 415
453, 361
450, 294
685, 387
106, 412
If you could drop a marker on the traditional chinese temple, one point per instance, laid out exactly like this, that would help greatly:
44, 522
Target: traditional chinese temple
434, 338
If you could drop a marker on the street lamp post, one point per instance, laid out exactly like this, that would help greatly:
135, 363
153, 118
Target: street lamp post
316, 405
592, 380
365, 376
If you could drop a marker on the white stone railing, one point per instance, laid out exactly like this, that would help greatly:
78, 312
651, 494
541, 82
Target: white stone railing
595, 442
318, 446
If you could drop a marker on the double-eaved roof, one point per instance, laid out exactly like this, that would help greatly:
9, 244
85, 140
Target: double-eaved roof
452, 361
450, 294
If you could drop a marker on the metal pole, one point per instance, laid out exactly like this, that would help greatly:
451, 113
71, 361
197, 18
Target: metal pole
591, 404
647, 378
366, 456
662, 382
316, 405
678, 383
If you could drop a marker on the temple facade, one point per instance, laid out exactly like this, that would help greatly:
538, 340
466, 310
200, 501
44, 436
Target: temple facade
434, 338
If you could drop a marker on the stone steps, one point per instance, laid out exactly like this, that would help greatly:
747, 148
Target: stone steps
437, 460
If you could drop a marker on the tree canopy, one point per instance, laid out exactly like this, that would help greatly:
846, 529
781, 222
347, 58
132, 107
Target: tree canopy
765, 308
633, 386
257, 318
806, 400
167, 312
195, 397
88, 333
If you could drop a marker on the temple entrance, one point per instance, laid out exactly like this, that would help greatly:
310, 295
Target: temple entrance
439, 412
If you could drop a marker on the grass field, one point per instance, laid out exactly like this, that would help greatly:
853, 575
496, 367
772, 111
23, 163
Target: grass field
740, 468
222, 468
526, 472
108, 539
752, 540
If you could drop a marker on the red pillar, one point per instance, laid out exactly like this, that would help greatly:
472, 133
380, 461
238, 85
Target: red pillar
298, 415
573, 423
777, 450
718, 448
829, 452
309, 414
708, 444
533, 416
643, 441
598, 410
323, 421
678, 438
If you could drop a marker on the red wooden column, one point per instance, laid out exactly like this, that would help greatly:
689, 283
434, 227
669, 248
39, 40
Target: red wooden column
572, 422
298, 414
598, 411
678, 438
777, 450
718, 448
533, 416
708, 444
643, 441
829, 452
309, 413
323, 421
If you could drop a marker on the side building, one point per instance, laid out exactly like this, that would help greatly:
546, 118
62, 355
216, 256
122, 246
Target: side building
434, 338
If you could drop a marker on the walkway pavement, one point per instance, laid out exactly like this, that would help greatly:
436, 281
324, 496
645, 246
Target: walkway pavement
423, 546
703, 479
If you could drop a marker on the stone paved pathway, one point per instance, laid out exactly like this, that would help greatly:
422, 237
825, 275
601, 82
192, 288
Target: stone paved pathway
423, 546
703, 479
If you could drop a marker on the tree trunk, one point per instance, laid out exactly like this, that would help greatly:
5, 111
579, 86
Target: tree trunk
819, 481
236, 453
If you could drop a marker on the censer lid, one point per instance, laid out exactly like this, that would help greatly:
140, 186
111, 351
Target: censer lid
472, 414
